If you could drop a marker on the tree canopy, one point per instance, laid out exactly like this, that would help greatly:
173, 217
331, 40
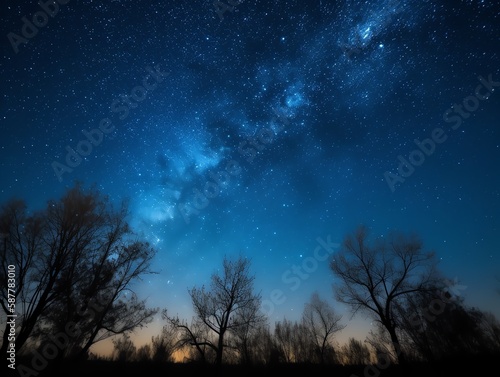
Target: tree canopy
76, 261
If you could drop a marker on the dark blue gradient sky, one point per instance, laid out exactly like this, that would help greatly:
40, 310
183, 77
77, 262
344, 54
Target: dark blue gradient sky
263, 129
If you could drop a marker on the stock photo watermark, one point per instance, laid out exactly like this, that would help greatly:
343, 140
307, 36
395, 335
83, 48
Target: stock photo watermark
95, 136
426, 147
248, 149
39, 19
11, 318
294, 276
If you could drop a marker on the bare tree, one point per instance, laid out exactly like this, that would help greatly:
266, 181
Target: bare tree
124, 348
293, 342
384, 351
356, 353
76, 261
193, 339
304, 349
227, 306
284, 337
311, 339
164, 345
144, 353
322, 323
19, 254
376, 278
260, 345
241, 338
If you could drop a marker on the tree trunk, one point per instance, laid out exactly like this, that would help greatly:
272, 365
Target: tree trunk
220, 348
400, 356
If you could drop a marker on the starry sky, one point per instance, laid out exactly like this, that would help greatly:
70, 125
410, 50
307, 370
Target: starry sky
270, 129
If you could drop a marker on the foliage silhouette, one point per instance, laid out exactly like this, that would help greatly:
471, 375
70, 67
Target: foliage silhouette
376, 277
76, 263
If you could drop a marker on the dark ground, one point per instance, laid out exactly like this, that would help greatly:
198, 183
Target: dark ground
477, 366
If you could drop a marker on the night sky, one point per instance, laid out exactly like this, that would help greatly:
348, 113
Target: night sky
272, 130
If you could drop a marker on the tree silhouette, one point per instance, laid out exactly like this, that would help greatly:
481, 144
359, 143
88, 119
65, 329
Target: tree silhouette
76, 261
124, 348
376, 277
197, 337
288, 337
355, 352
228, 305
165, 344
144, 353
322, 323
259, 346
439, 325
21, 249
243, 338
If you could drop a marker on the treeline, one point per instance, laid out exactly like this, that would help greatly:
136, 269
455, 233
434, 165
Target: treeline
433, 325
77, 261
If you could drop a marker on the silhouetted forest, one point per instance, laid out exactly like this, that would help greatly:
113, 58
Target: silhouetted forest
77, 260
